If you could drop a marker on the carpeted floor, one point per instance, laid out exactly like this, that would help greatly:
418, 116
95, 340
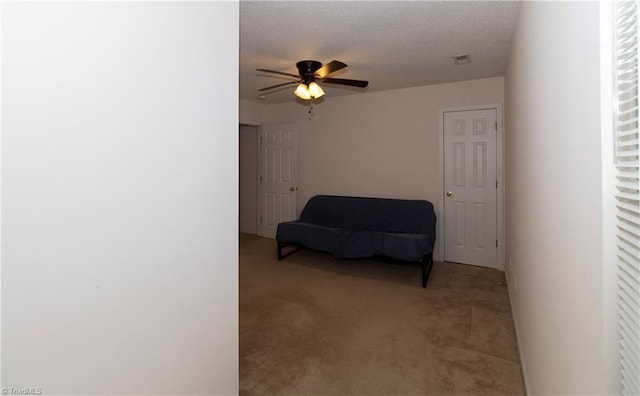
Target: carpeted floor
312, 325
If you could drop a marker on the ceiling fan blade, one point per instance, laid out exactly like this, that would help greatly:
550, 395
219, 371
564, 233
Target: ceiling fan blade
279, 85
345, 81
278, 72
329, 68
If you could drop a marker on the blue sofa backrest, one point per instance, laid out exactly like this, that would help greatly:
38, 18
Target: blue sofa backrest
371, 214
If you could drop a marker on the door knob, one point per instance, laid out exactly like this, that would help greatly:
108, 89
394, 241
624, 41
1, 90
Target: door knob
449, 193
292, 188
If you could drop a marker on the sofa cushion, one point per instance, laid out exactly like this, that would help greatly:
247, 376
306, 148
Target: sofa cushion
371, 214
357, 244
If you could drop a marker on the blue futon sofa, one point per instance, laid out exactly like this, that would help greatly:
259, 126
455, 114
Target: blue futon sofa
354, 227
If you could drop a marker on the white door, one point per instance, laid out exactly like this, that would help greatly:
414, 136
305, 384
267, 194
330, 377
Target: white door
470, 186
278, 177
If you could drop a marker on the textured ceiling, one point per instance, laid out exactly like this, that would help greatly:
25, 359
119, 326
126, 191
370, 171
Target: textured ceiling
395, 44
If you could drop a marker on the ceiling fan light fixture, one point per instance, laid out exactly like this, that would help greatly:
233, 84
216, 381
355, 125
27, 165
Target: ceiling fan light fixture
315, 91
308, 92
302, 92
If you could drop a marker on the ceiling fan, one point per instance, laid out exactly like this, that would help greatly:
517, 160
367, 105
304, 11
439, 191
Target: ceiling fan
310, 72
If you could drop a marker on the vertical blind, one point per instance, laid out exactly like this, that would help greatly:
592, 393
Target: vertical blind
627, 213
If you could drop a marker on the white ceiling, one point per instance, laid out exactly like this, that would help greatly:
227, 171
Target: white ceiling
392, 44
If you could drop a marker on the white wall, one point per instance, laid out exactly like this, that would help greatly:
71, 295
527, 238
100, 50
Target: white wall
119, 251
252, 113
553, 196
249, 179
380, 144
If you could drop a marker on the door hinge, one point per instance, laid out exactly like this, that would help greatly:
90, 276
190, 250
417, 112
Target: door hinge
496, 243
496, 125
496, 184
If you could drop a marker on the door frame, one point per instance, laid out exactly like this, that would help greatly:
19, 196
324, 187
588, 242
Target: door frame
258, 127
500, 221
257, 170
259, 180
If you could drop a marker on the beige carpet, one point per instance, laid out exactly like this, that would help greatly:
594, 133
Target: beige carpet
312, 325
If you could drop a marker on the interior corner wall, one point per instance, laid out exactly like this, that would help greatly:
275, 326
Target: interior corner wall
119, 251
553, 196
251, 113
248, 183
379, 144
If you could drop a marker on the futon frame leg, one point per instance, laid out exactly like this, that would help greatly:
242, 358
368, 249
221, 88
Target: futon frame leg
282, 245
427, 264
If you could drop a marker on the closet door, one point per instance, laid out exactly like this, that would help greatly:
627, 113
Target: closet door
278, 177
470, 186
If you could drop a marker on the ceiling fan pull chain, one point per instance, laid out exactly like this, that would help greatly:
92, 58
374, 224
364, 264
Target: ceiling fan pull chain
311, 110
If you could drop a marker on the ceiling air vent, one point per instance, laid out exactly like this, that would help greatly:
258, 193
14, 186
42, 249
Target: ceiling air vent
461, 59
